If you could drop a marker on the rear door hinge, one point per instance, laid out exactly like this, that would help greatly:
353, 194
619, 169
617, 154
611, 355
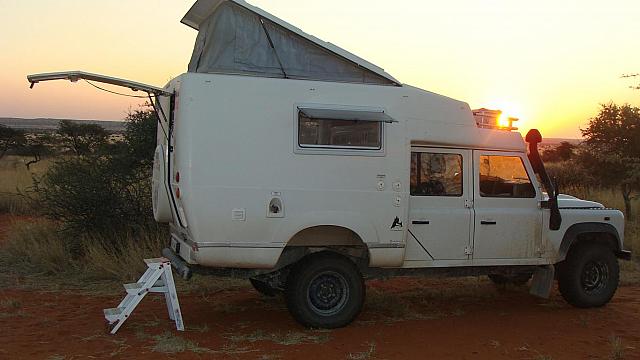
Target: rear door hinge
468, 250
468, 203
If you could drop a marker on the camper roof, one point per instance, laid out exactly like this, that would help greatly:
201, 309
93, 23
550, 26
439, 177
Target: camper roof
202, 10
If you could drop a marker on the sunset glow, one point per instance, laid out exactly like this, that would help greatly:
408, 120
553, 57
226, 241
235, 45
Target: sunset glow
504, 120
548, 63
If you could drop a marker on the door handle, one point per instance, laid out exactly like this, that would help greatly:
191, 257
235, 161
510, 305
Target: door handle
488, 222
420, 222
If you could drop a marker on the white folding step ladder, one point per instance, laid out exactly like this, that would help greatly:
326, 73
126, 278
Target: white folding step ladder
157, 279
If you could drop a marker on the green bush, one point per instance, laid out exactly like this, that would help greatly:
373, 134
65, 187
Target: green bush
105, 188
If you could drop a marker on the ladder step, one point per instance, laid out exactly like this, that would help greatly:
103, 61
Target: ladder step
138, 288
156, 261
112, 314
133, 288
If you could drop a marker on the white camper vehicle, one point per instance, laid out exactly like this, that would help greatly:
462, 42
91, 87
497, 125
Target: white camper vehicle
292, 162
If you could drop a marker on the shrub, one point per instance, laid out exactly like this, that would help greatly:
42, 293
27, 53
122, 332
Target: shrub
105, 188
570, 176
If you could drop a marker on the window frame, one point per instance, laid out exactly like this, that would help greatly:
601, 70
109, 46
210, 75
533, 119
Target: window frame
435, 151
525, 164
332, 149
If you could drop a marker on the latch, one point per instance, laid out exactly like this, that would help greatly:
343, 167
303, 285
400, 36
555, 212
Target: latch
468, 250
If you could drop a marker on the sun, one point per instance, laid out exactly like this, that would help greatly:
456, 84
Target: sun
503, 120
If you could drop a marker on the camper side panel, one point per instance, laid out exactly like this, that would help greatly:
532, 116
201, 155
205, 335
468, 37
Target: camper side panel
235, 149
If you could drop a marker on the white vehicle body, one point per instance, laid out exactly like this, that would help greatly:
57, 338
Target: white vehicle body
235, 145
308, 167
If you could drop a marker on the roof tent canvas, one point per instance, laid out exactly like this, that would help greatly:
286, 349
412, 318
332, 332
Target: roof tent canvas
237, 38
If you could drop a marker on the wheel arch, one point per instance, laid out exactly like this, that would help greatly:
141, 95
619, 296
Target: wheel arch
590, 232
339, 239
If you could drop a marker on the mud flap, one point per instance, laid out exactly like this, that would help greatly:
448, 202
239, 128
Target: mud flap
542, 281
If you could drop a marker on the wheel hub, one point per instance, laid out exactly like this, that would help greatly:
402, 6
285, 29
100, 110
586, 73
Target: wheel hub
594, 276
327, 293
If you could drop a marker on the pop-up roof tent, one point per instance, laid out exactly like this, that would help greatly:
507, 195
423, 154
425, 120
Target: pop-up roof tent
238, 38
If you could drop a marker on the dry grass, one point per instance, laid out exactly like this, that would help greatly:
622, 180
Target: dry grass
288, 338
617, 350
425, 298
364, 355
39, 249
16, 178
11, 308
169, 343
36, 247
9, 303
37, 254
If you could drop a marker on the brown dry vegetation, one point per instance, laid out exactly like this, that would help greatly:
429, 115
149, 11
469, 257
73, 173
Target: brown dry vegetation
15, 178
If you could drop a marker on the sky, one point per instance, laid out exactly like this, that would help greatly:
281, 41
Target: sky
549, 63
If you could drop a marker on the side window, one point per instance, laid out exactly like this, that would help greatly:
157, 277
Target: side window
340, 134
505, 177
434, 174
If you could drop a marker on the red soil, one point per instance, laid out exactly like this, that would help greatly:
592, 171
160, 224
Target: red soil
454, 324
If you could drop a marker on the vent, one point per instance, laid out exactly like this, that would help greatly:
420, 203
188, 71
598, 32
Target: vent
238, 215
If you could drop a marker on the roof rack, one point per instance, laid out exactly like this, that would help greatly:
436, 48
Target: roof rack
494, 119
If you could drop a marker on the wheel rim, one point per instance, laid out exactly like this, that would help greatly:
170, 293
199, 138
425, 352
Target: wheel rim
328, 293
594, 276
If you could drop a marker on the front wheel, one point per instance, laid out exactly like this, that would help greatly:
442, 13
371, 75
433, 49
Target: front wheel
589, 276
325, 290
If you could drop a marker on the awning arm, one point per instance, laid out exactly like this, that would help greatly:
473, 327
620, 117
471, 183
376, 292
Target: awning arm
74, 76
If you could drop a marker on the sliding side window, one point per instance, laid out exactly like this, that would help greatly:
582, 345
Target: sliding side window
341, 129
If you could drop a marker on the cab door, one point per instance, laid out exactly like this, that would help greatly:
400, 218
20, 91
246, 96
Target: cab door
439, 206
507, 219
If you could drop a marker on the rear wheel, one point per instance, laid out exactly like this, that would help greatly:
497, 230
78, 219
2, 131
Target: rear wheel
325, 290
589, 276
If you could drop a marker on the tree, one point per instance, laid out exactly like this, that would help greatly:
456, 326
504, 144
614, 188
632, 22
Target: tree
612, 150
140, 136
82, 139
10, 139
563, 152
36, 146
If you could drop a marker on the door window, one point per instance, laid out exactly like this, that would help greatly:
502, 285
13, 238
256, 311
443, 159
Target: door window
435, 174
504, 177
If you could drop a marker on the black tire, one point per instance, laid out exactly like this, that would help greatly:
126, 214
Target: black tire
589, 276
263, 288
325, 290
516, 280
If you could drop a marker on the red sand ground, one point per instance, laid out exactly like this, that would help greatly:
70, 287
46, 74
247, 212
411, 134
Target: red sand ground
240, 324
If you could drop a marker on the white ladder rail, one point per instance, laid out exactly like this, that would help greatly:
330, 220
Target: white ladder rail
157, 279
